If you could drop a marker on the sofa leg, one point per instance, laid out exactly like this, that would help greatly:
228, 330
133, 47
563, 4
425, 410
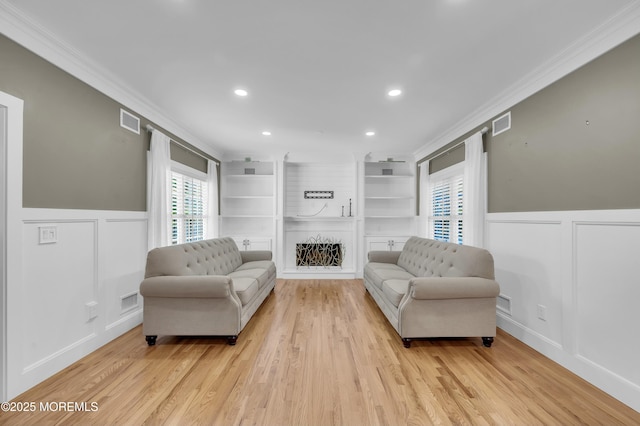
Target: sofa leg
151, 340
231, 340
487, 341
406, 342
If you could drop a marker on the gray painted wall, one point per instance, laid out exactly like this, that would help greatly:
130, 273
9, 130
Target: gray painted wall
76, 155
551, 159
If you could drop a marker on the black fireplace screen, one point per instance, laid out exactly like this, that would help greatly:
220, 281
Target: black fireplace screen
319, 254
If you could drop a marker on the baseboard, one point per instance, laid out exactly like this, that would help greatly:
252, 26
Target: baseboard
607, 381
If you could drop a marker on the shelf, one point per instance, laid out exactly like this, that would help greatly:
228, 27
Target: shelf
248, 203
245, 216
243, 176
248, 200
249, 197
393, 197
385, 235
319, 219
390, 217
236, 169
390, 199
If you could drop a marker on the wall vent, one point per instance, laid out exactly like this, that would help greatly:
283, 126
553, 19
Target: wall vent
503, 304
501, 124
128, 302
129, 121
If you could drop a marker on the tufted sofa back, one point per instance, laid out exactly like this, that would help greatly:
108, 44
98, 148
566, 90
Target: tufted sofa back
218, 256
423, 257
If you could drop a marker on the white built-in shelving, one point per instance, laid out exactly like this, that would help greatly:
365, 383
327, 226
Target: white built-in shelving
248, 203
371, 206
389, 204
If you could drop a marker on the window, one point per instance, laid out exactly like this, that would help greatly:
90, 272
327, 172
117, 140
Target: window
445, 218
189, 208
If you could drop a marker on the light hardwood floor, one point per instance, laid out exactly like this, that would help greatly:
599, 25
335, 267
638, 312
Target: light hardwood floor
320, 352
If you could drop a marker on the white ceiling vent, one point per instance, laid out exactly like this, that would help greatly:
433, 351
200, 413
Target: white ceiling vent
129, 121
503, 304
501, 124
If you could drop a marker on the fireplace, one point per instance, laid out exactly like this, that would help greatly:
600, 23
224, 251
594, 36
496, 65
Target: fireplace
319, 252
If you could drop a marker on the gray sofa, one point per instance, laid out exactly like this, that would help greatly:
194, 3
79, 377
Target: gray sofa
205, 288
435, 289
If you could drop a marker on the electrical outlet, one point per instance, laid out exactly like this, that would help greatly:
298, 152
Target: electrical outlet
542, 312
92, 310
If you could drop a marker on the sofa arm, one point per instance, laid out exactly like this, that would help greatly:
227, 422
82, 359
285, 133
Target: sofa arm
384, 256
255, 255
452, 288
205, 286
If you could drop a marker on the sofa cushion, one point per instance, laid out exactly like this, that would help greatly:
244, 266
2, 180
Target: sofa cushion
267, 265
246, 288
394, 290
378, 273
260, 275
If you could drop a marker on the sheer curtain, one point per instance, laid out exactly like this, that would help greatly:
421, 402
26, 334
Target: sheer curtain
473, 204
425, 199
158, 184
212, 197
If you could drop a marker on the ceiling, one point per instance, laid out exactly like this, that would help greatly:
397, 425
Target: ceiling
317, 72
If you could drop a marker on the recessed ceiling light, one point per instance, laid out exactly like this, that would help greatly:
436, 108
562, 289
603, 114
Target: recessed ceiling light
241, 92
266, 133
394, 92
370, 133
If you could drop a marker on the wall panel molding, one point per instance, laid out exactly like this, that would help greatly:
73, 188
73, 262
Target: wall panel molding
591, 280
98, 257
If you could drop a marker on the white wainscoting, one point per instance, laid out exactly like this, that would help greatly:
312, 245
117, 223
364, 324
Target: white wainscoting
97, 258
582, 268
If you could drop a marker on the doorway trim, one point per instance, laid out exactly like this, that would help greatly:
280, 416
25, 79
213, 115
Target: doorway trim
11, 136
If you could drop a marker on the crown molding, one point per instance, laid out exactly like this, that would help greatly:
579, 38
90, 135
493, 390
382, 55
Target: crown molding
613, 32
23, 30
20, 28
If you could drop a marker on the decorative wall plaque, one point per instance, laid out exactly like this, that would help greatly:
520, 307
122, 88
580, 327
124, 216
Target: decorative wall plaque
318, 194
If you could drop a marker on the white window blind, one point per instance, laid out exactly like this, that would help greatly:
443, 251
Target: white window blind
446, 222
188, 208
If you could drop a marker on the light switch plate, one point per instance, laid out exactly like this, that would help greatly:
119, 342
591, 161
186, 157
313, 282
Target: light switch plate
48, 234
